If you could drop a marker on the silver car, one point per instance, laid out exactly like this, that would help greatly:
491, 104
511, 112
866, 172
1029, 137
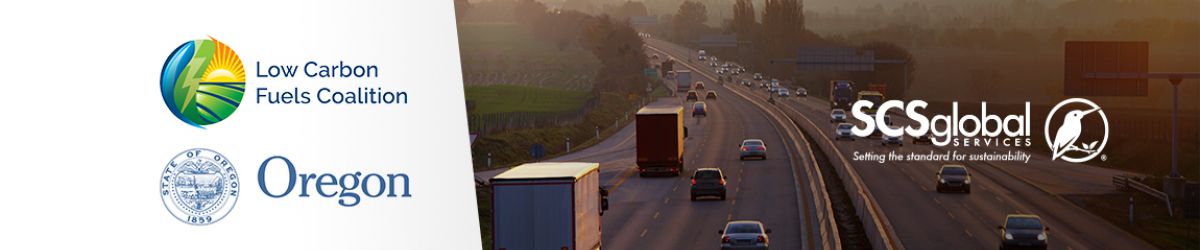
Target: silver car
837, 115
843, 131
744, 234
893, 140
782, 92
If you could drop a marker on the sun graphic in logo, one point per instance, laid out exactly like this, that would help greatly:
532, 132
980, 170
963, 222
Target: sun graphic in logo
203, 82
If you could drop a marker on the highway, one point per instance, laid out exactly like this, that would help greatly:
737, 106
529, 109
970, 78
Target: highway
925, 219
656, 213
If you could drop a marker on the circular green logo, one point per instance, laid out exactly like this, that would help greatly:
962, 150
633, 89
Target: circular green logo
203, 82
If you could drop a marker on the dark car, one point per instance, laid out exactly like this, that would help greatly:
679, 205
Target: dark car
1023, 231
922, 139
708, 182
953, 178
711, 95
698, 85
699, 109
692, 95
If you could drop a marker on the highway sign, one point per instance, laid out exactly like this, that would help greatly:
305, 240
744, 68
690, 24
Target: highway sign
1105, 68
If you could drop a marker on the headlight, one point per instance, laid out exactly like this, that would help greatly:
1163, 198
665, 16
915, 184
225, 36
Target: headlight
1007, 236
1042, 236
943, 181
967, 181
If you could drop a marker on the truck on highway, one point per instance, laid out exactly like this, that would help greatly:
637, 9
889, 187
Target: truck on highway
683, 80
873, 96
659, 140
841, 94
548, 205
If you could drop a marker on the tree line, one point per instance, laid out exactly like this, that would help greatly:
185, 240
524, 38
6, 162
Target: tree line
613, 41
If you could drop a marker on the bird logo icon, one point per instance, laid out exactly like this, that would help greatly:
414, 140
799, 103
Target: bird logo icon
1069, 132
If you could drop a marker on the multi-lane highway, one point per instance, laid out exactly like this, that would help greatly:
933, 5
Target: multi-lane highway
655, 213
925, 219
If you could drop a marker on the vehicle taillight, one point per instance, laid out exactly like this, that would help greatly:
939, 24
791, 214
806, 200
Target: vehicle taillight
761, 148
744, 148
725, 239
761, 239
693, 181
722, 182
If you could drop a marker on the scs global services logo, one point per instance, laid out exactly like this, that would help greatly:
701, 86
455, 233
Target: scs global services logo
1070, 143
202, 82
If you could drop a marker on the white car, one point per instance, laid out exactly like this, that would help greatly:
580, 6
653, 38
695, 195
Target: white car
893, 140
782, 92
837, 115
744, 234
843, 131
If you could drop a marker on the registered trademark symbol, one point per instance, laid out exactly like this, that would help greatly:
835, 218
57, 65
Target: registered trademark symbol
1103, 157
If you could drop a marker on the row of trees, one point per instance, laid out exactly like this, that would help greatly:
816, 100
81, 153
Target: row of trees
614, 42
779, 33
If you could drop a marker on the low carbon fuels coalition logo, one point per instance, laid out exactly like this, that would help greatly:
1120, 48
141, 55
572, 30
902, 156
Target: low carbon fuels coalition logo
202, 82
199, 186
1067, 139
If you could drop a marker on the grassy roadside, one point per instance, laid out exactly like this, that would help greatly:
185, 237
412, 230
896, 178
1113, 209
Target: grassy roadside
1151, 221
512, 148
510, 98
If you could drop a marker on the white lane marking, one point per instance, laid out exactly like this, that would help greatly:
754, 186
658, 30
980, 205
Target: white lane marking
656, 214
675, 188
951, 216
969, 234
643, 233
668, 199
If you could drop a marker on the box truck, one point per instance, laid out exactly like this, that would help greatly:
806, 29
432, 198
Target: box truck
549, 205
660, 133
841, 94
683, 80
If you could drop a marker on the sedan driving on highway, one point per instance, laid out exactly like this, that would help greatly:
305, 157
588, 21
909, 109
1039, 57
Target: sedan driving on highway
782, 92
1023, 231
711, 95
699, 109
758, 76
892, 140
746, 83
708, 182
692, 96
752, 148
953, 178
922, 139
801, 92
843, 131
699, 85
744, 234
837, 115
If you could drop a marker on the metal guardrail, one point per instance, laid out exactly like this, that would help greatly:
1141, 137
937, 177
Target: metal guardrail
1127, 183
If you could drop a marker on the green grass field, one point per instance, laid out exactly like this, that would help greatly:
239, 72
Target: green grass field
509, 98
508, 54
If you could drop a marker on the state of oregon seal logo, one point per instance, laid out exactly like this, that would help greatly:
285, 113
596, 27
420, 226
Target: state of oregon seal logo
202, 82
199, 186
